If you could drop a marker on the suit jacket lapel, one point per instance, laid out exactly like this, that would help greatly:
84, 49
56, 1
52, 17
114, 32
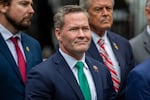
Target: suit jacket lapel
27, 52
66, 72
6, 52
96, 54
96, 78
115, 47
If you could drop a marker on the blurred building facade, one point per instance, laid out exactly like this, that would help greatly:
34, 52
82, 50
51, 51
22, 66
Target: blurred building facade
129, 17
138, 15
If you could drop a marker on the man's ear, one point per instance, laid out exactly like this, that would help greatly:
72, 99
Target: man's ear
58, 33
3, 7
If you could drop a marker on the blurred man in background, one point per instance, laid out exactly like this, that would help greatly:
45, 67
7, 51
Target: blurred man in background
19, 52
141, 43
107, 47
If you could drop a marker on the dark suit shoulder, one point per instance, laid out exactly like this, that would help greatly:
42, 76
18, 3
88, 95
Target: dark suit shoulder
32, 43
29, 39
116, 36
47, 67
122, 42
142, 68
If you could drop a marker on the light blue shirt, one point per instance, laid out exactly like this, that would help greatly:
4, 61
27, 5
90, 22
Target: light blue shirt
72, 62
6, 34
108, 49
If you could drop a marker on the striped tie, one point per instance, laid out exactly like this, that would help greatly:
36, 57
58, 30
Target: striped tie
108, 63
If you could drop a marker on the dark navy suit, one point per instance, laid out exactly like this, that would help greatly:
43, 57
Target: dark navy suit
11, 84
123, 54
138, 84
54, 80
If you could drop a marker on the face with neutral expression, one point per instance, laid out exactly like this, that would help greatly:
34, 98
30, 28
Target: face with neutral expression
75, 36
101, 15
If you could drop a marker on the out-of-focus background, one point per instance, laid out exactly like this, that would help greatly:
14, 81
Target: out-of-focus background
129, 20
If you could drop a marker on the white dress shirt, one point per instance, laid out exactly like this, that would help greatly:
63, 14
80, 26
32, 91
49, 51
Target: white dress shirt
72, 62
7, 35
108, 49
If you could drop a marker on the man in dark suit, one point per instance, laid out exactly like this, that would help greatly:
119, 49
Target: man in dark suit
15, 15
138, 87
58, 78
141, 43
117, 48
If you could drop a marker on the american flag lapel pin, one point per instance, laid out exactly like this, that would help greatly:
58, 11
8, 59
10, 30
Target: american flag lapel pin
95, 68
27, 49
115, 46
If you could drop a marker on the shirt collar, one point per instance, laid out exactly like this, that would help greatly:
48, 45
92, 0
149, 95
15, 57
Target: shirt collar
97, 37
6, 34
70, 60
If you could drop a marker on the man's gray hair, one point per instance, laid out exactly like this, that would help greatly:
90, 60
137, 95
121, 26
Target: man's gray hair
59, 16
147, 3
86, 3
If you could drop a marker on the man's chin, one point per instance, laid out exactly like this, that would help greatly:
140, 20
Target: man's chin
82, 49
106, 27
23, 27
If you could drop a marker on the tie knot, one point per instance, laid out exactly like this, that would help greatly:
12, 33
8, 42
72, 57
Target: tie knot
79, 65
14, 40
101, 42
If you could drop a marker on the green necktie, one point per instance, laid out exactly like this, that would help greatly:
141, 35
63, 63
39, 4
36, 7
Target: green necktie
84, 86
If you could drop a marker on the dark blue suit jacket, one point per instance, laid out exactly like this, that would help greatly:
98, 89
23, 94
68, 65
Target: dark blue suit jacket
54, 80
124, 56
11, 84
138, 84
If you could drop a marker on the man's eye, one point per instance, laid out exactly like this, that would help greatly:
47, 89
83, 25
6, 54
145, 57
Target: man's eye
25, 4
98, 9
73, 29
108, 8
86, 29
